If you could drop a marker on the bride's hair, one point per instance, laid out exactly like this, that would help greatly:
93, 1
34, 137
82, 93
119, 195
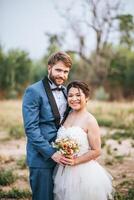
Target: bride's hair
80, 85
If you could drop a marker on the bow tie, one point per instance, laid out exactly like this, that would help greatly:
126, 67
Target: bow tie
58, 89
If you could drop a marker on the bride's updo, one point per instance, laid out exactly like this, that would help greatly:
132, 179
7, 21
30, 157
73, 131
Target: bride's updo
80, 85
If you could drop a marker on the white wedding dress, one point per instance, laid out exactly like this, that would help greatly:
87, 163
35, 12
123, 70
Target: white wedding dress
87, 181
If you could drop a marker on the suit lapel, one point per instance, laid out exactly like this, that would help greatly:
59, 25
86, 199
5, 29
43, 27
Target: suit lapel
52, 101
64, 92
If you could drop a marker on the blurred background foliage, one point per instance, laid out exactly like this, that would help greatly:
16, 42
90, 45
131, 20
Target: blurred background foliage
17, 71
108, 69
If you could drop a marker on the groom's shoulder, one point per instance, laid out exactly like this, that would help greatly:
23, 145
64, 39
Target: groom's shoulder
35, 86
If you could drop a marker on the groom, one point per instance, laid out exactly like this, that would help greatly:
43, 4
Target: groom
44, 105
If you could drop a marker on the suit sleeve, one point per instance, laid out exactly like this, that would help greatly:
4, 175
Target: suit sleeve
30, 108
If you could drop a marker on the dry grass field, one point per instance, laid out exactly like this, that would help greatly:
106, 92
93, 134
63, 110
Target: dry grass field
117, 130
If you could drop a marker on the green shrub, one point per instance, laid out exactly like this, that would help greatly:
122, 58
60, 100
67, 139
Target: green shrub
12, 94
128, 187
109, 150
101, 94
22, 162
15, 193
132, 144
119, 158
16, 132
109, 161
130, 195
104, 122
118, 196
118, 135
103, 142
7, 177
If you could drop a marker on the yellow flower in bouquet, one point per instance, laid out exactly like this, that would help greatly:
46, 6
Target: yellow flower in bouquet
67, 146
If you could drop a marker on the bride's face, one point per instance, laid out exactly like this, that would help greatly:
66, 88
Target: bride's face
76, 98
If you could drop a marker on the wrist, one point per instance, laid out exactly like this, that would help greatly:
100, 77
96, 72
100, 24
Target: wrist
54, 155
76, 161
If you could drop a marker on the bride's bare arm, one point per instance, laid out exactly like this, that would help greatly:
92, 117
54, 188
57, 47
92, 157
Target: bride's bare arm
95, 144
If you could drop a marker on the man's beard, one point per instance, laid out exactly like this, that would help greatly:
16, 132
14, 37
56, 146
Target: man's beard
53, 78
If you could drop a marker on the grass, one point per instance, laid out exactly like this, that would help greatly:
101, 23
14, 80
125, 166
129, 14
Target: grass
132, 144
22, 162
117, 116
105, 122
119, 136
109, 161
15, 193
113, 115
119, 158
108, 150
114, 159
7, 177
16, 132
125, 190
128, 196
10, 114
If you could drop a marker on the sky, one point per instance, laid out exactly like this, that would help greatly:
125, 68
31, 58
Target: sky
23, 23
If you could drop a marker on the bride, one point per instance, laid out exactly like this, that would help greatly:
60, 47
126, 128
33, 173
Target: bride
82, 178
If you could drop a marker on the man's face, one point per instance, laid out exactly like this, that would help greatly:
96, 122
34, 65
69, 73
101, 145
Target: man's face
58, 73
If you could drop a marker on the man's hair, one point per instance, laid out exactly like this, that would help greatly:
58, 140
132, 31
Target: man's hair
60, 56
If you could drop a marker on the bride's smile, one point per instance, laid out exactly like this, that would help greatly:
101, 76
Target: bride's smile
76, 99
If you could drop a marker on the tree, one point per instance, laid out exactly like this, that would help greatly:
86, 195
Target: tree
122, 72
126, 27
54, 44
15, 68
97, 18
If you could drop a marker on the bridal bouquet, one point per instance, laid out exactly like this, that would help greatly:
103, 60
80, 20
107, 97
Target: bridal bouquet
67, 146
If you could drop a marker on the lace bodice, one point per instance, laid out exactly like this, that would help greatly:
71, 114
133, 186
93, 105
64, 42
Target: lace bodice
76, 133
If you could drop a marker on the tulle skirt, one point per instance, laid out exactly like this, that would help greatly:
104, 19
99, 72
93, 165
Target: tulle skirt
88, 181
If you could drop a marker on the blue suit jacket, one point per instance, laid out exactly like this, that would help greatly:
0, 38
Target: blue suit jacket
39, 126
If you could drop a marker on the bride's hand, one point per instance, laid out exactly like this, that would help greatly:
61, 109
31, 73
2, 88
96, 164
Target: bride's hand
69, 160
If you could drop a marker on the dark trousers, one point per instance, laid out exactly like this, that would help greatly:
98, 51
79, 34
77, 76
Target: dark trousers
41, 183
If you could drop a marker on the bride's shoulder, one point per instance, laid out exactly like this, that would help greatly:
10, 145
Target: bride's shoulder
91, 119
92, 125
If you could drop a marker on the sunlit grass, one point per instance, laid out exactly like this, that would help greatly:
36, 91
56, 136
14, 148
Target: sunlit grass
10, 114
118, 117
109, 114
113, 114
